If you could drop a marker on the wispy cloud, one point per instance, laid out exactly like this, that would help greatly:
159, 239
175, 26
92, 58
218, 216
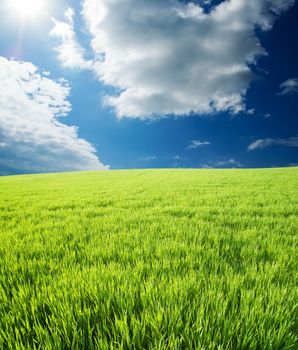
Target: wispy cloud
206, 166
70, 52
289, 87
33, 139
148, 158
263, 143
226, 163
197, 144
251, 111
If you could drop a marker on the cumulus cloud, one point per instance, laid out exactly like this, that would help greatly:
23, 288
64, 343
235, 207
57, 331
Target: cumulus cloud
264, 143
33, 139
289, 87
194, 144
70, 52
171, 57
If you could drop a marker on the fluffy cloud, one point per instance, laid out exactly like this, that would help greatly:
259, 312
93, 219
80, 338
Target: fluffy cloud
263, 143
173, 57
197, 143
32, 137
70, 52
289, 87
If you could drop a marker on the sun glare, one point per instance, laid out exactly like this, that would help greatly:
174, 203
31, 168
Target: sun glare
28, 8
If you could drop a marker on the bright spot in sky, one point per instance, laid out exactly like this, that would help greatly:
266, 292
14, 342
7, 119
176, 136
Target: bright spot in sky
28, 8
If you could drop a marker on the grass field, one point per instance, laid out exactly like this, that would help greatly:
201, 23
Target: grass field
155, 259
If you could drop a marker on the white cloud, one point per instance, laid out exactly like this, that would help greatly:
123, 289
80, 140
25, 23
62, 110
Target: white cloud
70, 52
32, 137
197, 143
167, 57
278, 6
289, 87
206, 166
148, 158
229, 163
251, 111
263, 143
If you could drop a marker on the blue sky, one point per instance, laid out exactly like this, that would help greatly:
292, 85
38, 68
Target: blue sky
148, 84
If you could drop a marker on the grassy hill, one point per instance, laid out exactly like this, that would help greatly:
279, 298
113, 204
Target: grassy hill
153, 259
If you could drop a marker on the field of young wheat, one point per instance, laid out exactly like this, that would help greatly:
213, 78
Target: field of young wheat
153, 259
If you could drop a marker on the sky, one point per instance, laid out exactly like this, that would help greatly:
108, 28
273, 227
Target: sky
121, 84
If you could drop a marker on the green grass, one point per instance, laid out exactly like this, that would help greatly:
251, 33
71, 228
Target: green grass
156, 259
